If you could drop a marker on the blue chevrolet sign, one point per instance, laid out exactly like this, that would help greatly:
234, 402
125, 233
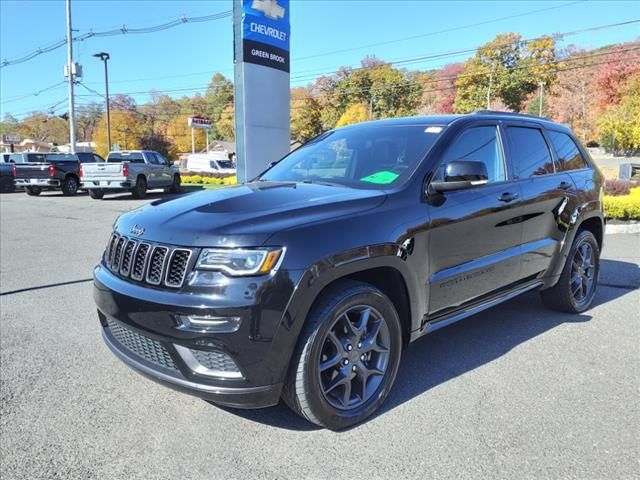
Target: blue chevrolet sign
265, 32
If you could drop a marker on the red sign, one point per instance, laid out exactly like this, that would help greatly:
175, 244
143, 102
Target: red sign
199, 122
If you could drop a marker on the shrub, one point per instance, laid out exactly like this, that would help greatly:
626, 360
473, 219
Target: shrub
616, 188
625, 207
209, 180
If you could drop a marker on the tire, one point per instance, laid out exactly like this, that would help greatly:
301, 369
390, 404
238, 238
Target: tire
70, 186
33, 191
576, 277
175, 185
140, 190
311, 389
96, 193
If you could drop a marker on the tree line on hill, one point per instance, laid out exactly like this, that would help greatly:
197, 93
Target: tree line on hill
596, 92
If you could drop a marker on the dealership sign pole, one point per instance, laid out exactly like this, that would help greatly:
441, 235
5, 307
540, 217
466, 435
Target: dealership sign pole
261, 80
198, 122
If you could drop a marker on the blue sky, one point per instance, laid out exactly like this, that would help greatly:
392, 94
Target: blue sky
324, 36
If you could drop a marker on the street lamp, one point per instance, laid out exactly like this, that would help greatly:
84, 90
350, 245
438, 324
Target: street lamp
104, 57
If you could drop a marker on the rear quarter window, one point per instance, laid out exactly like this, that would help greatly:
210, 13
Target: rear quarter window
569, 156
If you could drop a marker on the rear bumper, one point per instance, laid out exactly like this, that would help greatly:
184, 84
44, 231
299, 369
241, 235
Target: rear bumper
118, 184
37, 182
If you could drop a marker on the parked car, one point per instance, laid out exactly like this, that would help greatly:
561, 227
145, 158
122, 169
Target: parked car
308, 282
214, 162
7, 177
132, 170
51, 170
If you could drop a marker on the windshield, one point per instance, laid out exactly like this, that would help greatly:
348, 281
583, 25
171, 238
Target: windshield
362, 157
225, 163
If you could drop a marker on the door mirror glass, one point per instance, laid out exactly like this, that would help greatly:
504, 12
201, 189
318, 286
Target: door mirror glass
461, 174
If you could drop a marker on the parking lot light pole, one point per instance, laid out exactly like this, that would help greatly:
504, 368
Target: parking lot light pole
104, 57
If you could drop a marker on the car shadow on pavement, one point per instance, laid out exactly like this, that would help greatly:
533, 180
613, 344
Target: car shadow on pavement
469, 344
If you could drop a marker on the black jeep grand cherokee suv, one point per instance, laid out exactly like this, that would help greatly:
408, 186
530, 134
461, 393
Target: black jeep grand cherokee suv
308, 282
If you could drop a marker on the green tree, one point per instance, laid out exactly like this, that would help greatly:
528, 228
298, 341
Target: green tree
306, 116
226, 127
620, 124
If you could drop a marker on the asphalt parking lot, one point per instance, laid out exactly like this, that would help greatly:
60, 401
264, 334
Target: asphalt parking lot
514, 392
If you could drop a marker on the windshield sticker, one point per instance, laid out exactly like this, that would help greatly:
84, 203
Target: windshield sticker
382, 178
433, 130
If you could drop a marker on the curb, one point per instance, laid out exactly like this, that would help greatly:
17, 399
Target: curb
629, 228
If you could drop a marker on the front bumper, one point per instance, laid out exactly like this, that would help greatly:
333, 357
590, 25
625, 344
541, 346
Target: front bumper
106, 184
37, 182
152, 315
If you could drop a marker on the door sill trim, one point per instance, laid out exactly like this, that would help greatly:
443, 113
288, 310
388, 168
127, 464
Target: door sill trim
442, 321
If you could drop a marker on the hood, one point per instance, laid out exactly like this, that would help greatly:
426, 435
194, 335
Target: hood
244, 215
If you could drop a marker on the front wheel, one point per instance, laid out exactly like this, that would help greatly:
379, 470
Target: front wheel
347, 356
140, 190
175, 185
578, 282
33, 191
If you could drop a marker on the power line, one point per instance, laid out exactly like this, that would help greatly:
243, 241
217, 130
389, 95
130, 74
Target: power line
437, 32
123, 30
16, 98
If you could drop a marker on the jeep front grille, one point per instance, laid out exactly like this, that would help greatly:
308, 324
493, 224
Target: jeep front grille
144, 347
156, 265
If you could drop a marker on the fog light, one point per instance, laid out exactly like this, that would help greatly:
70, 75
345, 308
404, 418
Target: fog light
210, 363
208, 323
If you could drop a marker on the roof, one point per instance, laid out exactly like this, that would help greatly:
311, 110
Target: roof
449, 119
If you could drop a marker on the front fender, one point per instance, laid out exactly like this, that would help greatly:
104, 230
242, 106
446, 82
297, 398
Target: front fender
328, 270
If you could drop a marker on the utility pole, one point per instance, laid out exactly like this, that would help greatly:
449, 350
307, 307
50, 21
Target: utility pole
70, 73
104, 56
541, 95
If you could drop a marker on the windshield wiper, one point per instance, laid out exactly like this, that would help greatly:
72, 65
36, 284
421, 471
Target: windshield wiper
321, 182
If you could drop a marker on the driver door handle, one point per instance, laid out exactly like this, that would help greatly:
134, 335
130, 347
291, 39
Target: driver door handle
508, 197
564, 186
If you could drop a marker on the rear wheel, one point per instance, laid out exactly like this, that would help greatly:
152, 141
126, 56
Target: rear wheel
96, 193
70, 186
578, 282
347, 356
140, 190
33, 191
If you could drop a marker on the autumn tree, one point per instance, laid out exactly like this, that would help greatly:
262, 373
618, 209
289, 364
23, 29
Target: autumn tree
87, 119
612, 74
226, 127
355, 113
620, 123
219, 96
306, 115
179, 136
126, 131
507, 68
438, 89
42, 127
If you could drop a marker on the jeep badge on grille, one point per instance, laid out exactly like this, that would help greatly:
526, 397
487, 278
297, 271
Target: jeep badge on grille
137, 230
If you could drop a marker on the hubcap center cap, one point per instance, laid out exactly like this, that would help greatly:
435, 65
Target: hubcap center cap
354, 356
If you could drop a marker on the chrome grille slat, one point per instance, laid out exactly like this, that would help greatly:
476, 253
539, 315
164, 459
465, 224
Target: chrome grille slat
127, 257
153, 264
157, 261
140, 261
117, 254
177, 269
144, 347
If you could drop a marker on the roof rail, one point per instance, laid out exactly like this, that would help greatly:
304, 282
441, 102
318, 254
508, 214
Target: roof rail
510, 114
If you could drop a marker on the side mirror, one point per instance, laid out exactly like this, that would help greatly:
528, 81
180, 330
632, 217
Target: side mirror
461, 174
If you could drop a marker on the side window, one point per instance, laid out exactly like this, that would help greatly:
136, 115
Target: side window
152, 158
529, 152
479, 144
162, 160
569, 156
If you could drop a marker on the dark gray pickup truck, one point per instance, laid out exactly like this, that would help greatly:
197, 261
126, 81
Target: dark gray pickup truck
35, 171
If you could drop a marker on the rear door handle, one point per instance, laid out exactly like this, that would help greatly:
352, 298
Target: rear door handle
508, 197
564, 186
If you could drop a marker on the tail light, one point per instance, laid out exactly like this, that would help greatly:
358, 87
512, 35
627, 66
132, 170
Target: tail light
81, 173
125, 169
52, 170
13, 167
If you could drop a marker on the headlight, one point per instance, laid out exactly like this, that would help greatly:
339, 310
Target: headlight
240, 262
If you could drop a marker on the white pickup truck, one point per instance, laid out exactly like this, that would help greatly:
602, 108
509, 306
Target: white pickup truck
133, 170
